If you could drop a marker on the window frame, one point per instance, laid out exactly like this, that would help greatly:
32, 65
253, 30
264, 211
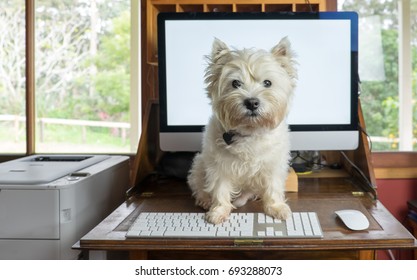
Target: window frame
405, 92
30, 105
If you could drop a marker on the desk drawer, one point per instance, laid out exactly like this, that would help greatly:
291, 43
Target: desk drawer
29, 214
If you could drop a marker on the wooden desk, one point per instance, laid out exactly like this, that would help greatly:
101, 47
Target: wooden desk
322, 195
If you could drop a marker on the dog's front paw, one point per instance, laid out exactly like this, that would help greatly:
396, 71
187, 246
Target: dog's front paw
278, 211
203, 203
218, 215
203, 200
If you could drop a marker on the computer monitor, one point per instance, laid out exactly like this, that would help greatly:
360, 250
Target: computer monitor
324, 111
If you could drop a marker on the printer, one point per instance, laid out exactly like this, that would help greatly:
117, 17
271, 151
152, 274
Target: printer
48, 202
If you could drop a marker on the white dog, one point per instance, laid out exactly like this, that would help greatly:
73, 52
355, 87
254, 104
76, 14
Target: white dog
246, 149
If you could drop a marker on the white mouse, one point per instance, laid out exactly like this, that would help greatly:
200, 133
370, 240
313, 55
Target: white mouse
353, 219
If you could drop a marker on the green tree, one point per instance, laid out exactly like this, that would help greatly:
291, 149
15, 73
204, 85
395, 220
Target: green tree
112, 81
380, 99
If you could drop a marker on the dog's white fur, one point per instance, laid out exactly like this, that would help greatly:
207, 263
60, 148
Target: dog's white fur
255, 165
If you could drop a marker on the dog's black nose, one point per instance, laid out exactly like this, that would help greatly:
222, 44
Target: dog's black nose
252, 103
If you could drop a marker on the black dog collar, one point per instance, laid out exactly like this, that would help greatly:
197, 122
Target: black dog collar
228, 137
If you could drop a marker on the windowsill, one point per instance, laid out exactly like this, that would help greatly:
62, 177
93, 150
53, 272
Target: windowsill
387, 165
395, 165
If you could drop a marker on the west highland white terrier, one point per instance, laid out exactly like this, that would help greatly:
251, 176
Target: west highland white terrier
246, 149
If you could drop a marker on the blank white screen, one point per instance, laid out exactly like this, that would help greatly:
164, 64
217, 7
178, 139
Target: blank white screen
322, 47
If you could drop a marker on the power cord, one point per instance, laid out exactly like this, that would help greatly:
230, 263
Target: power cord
363, 176
367, 136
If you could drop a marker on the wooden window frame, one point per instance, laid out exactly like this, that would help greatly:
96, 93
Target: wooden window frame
30, 105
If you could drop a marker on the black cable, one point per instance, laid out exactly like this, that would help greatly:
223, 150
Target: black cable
367, 136
357, 169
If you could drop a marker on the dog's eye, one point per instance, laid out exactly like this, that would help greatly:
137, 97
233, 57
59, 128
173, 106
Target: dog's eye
267, 83
236, 84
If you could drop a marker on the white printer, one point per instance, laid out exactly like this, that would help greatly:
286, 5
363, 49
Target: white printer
48, 202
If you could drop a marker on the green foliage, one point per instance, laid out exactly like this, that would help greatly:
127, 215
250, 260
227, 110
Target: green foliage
112, 82
82, 65
380, 100
114, 91
114, 49
81, 77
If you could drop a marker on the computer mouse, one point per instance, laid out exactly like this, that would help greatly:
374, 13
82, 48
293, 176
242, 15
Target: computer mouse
353, 219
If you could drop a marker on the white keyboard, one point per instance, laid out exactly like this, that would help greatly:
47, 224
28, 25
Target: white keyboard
239, 225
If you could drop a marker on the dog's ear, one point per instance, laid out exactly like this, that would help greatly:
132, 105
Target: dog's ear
283, 49
220, 55
219, 49
285, 55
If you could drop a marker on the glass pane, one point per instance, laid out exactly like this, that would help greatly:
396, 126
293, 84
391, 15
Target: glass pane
12, 77
82, 76
378, 69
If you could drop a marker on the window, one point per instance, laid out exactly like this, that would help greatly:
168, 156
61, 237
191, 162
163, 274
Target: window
12, 77
387, 68
82, 77
86, 77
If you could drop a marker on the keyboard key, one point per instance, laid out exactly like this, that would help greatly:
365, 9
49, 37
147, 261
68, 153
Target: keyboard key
145, 233
234, 233
222, 234
315, 224
261, 234
270, 231
277, 221
306, 224
157, 233
269, 220
261, 218
246, 233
